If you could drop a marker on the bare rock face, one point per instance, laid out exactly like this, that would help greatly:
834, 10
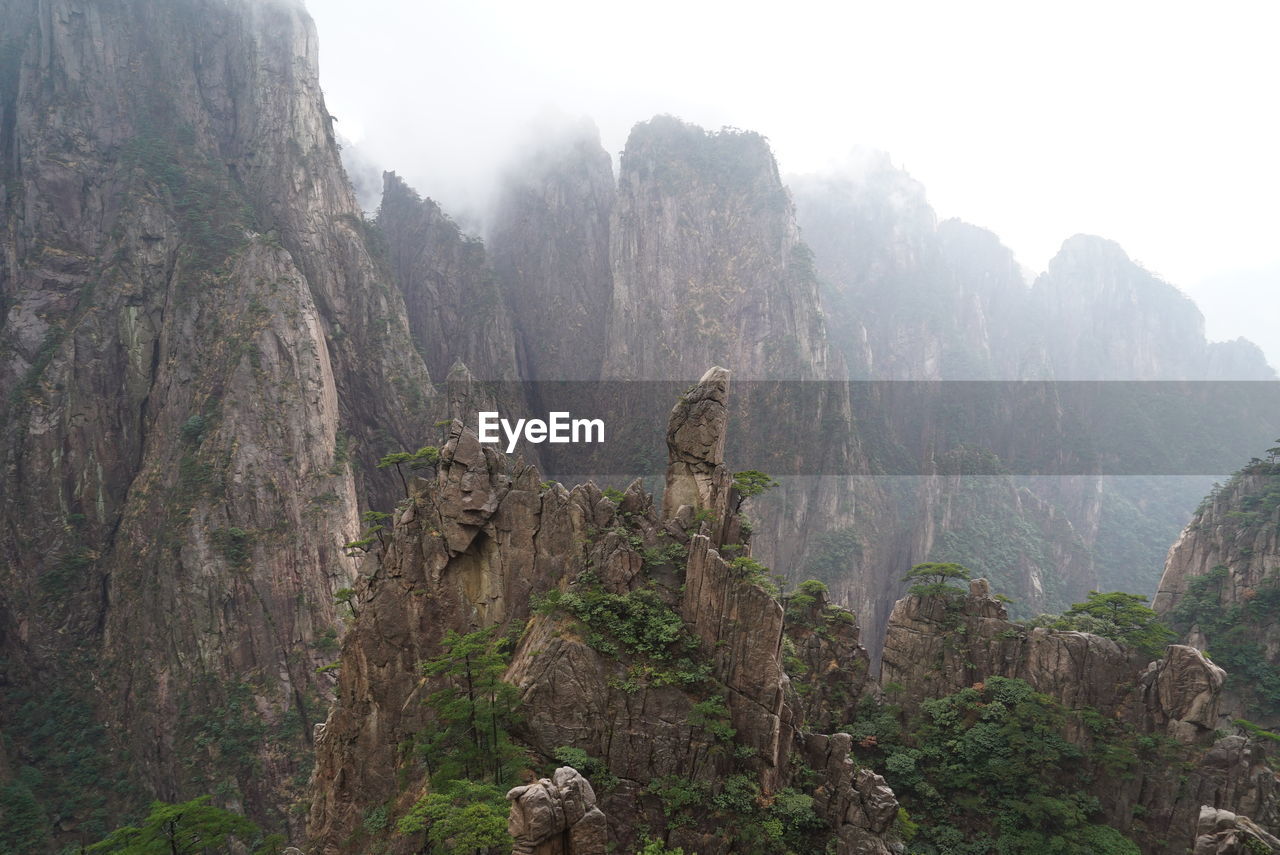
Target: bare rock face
696, 475
938, 645
557, 816
708, 267
196, 345
830, 668
1217, 537
740, 626
1184, 692
1220, 832
856, 802
470, 549
456, 310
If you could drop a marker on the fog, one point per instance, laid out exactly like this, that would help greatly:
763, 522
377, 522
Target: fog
1152, 124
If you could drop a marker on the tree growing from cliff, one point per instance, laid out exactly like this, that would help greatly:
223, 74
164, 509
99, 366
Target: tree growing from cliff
750, 483
462, 816
473, 711
1121, 617
186, 829
934, 578
427, 457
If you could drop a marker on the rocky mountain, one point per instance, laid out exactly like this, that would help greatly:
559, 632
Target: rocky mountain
653, 651
692, 257
206, 348
200, 357
656, 656
913, 299
550, 240
909, 298
1116, 321
708, 264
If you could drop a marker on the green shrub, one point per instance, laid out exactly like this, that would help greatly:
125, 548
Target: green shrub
638, 622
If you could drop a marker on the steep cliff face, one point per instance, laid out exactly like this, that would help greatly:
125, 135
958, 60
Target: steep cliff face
937, 645
456, 310
708, 267
550, 240
652, 655
1004, 532
1113, 320
1220, 587
912, 299
196, 344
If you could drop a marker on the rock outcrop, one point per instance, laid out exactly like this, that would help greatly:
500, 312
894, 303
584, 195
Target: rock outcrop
557, 816
856, 802
704, 704
1221, 832
1220, 585
1237, 528
824, 657
940, 644
697, 478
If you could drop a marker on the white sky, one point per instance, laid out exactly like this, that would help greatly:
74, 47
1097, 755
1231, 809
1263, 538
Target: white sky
1154, 124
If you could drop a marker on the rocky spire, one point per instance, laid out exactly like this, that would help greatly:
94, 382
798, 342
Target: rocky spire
697, 478
557, 815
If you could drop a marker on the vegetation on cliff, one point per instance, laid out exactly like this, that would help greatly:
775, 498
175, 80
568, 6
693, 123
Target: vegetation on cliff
989, 770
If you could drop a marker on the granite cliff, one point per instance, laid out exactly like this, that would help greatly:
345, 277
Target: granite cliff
197, 351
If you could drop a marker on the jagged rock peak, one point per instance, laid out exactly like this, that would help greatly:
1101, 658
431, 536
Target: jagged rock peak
696, 474
557, 815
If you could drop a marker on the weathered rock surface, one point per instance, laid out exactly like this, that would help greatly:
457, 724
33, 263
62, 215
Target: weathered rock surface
696, 475
830, 668
1221, 832
1231, 548
557, 816
708, 267
196, 343
936, 645
1218, 537
856, 802
468, 551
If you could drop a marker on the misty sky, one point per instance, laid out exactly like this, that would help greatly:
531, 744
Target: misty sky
1154, 124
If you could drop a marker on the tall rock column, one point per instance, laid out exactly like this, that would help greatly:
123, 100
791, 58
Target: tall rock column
697, 478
